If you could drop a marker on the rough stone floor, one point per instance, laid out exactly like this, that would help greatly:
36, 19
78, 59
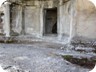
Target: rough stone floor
38, 57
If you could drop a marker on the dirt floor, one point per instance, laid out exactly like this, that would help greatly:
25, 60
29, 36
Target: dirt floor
44, 57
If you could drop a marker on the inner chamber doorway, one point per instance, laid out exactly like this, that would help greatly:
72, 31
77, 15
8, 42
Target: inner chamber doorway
50, 18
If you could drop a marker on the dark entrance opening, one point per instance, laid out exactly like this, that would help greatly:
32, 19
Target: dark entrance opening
50, 21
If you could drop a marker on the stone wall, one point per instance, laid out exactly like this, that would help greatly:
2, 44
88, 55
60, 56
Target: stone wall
31, 22
75, 18
16, 19
85, 26
65, 18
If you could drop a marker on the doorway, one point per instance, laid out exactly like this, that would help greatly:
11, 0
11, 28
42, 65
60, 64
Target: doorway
50, 18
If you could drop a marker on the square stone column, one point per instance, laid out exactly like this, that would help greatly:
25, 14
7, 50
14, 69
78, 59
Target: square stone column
59, 23
7, 19
41, 22
73, 21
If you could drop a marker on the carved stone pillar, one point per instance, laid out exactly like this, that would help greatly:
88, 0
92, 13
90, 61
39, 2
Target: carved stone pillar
7, 19
60, 19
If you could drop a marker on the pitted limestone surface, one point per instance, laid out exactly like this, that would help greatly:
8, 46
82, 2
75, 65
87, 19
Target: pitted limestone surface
29, 58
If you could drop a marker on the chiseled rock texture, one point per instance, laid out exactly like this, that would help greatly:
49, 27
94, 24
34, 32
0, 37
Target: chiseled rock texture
75, 19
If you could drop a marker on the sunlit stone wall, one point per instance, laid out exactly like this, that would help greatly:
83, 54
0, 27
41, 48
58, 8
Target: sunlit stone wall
85, 26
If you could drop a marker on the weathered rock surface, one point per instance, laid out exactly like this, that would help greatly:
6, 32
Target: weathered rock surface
35, 58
